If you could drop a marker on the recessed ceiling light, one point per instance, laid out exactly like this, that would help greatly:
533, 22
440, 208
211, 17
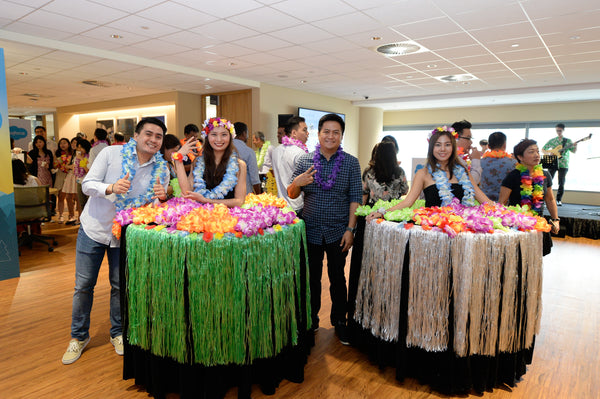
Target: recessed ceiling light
206, 79
232, 64
144, 27
400, 48
376, 38
115, 36
456, 78
576, 37
282, 76
23, 73
514, 45
303, 81
432, 66
31, 95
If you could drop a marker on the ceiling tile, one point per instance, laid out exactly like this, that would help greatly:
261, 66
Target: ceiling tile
191, 40
528, 54
265, 20
484, 16
153, 49
35, 30
398, 13
348, 24
223, 8
105, 33
446, 41
302, 34
326, 46
14, 11
104, 44
294, 53
224, 31
504, 32
84, 10
176, 15
313, 10
427, 28
461, 52
365, 39
129, 5
262, 43
51, 21
30, 3
142, 26
260, 58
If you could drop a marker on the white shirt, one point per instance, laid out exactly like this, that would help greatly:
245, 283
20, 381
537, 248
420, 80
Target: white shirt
99, 212
95, 151
284, 159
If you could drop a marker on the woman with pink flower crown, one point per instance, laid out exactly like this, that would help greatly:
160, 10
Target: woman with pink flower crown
218, 175
443, 179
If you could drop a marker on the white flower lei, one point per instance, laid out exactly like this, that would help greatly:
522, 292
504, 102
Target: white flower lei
445, 188
227, 184
129, 155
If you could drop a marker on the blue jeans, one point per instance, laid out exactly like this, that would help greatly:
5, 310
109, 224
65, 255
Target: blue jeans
88, 259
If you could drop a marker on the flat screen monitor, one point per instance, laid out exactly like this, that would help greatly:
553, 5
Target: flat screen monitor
312, 117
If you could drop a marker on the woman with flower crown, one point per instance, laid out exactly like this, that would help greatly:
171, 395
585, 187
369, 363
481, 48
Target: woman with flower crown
530, 185
443, 179
218, 175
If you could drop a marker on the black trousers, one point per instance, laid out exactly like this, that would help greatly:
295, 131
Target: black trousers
336, 260
562, 174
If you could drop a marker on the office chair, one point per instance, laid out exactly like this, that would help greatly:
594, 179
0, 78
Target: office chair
32, 205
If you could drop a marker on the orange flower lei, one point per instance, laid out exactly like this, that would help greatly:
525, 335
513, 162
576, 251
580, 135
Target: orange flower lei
496, 154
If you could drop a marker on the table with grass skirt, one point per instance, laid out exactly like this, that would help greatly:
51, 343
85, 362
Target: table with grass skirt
214, 298
450, 296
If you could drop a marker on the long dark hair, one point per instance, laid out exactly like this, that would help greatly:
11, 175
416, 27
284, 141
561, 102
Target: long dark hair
386, 165
58, 151
213, 174
19, 172
431, 161
35, 151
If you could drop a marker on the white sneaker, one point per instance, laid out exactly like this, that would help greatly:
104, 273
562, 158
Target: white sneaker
118, 344
74, 350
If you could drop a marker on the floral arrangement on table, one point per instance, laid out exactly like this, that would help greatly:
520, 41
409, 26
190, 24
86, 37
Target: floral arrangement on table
457, 218
260, 214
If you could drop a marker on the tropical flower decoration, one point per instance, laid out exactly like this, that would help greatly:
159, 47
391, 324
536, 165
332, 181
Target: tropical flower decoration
261, 214
212, 123
456, 218
496, 154
441, 129
261, 153
159, 170
288, 141
532, 187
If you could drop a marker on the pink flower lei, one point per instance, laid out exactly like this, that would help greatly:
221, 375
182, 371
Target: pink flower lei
288, 141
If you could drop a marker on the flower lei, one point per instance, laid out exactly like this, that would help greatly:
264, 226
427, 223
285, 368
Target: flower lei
496, 154
227, 184
100, 141
532, 189
441, 129
327, 185
212, 123
63, 161
129, 154
287, 141
260, 154
445, 188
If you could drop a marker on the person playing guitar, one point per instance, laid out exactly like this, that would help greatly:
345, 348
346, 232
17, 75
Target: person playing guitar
561, 147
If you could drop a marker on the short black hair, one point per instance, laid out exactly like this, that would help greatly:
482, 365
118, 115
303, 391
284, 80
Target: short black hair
496, 140
100, 134
520, 148
169, 141
332, 118
152, 120
190, 128
240, 129
461, 125
85, 144
560, 125
119, 136
39, 127
292, 124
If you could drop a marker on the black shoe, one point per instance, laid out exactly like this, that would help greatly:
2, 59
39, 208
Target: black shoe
342, 332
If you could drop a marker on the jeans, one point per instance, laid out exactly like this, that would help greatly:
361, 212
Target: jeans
336, 261
88, 259
562, 175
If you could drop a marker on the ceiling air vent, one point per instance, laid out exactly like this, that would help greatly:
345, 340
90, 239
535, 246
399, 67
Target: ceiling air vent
96, 83
400, 48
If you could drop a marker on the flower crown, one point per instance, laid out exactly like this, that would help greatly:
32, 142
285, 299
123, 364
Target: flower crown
212, 123
441, 129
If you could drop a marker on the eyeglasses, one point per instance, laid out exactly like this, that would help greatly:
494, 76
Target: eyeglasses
466, 138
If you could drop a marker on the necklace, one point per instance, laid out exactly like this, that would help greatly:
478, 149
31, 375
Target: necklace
129, 154
227, 184
99, 141
287, 141
337, 166
445, 188
465, 157
532, 189
496, 154
260, 154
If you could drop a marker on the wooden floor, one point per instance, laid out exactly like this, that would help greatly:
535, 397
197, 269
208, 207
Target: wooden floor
35, 317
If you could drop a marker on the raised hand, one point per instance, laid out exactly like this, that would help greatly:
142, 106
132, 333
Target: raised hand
159, 190
121, 186
305, 178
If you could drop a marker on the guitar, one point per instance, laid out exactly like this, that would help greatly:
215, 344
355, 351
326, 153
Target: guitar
559, 149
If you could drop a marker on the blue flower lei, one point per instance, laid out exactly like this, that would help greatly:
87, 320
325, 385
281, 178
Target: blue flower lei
227, 184
129, 155
445, 188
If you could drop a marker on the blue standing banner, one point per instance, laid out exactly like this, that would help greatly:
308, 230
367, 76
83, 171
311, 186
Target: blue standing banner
9, 246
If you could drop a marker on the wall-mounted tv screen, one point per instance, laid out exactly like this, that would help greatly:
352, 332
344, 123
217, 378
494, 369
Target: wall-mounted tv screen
312, 117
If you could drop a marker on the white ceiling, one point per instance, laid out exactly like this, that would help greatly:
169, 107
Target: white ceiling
520, 51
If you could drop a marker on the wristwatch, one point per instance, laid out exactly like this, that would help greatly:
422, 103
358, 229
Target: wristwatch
351, 229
